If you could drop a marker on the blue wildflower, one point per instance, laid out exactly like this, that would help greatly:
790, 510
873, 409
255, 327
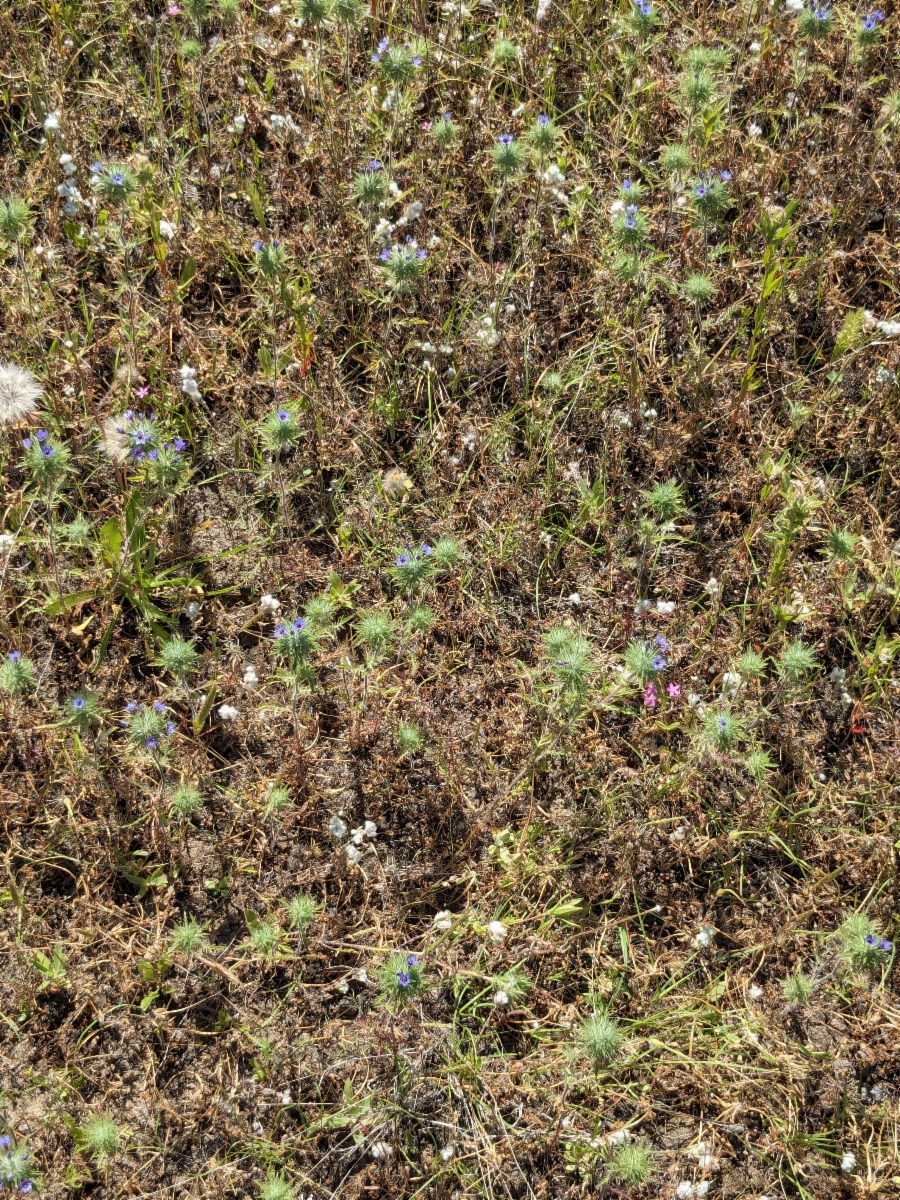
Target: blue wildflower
403, 979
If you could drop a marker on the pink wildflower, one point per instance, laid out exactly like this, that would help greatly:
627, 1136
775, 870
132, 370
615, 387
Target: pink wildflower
142, 392
650, 697
674, 690
426, 126
173, 10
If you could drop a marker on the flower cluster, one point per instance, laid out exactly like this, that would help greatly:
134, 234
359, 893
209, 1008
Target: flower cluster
67, 190
13, 1169
294, 641
397, 63
147, 725
114, 183
876, 943
403, 265
16, 673
46, 462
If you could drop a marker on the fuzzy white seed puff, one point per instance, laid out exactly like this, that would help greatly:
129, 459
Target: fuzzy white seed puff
19, 393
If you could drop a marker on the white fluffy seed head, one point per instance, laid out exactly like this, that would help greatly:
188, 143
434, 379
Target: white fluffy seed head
19, 393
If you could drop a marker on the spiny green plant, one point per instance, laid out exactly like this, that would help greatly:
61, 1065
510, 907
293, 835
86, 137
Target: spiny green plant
721, 729
842, 544
508, 155
401, 980
302, 910
188, 937
505, 53
699, 288
280, 430
374, 631
798, 988
178, 656
600, 1038
751, 664
860, 944
796, 661
665, 500
15, 219
632, 1163
16, 673
265, 938
101, 1138
277, 1187
279, 799
184, 800
409, 740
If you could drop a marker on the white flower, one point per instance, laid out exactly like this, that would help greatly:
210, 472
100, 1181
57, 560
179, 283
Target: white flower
754, 991
336, 827
237, 125
712, 586
166, 230
794, 5
543, 8
575, 599
227, 713
618, 1137
665, 607
553, 175
19, 393
616, 208
701, 1189
380, 1150
370, 829
192, 610
277, 122
704, 937
251, 679
754, 47
394, 189
680, 201
51, 121
642, 606
678, 835
848, 1162
684, 1190
496, 932
518, 110
890, 329
500, 997
448, 1152
269, 604
353, 855
443, 920
754, 130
